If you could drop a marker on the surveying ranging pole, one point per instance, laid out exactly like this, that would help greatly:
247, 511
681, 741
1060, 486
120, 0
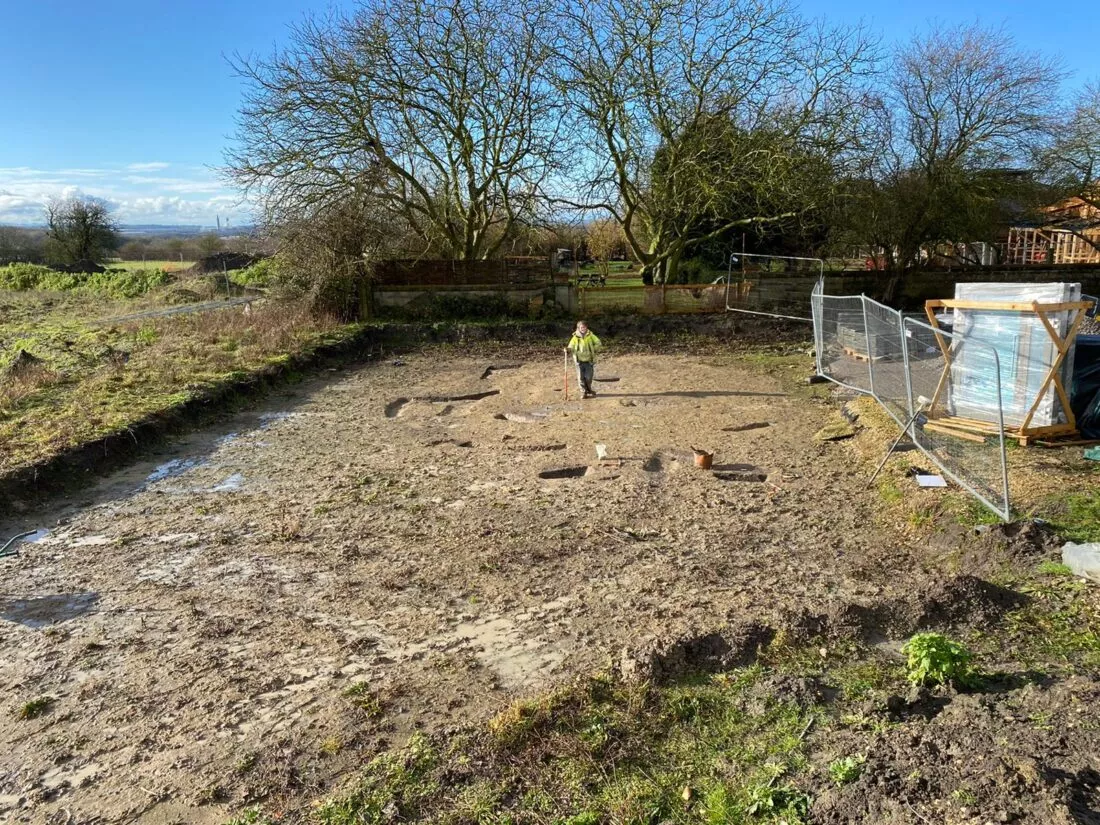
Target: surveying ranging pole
739, 258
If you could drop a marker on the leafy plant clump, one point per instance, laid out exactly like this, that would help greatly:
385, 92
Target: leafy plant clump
936, 660
35, 708
22, 276
129, 283
846, 770
263, 273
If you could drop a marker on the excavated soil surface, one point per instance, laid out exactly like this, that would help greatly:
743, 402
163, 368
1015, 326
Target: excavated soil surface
197, 620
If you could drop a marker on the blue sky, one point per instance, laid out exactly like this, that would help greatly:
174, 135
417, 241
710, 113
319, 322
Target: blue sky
134, 101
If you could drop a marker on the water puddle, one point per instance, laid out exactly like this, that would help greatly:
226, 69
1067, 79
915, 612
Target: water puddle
231, 484
269, 418
523, 418
565, 472
43, 611
225, 440
33, 538
172, 469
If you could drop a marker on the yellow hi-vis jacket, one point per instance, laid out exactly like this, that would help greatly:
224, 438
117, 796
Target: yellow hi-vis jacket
584, 347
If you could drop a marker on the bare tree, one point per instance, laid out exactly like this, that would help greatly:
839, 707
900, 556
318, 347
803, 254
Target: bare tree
328, 256
605, 240
698, 116
963, 115
80, 230
446, 103
1073, 164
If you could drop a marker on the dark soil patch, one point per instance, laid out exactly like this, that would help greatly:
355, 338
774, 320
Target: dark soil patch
223, 262
565, 472
393, 409
473, 396
959, 602
80, 267
489, 370
976, 761
739, 472
741, 428
663, 661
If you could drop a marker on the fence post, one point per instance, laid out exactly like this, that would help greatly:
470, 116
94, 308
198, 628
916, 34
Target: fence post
905, 366
1007, 514
817, 308
867, 341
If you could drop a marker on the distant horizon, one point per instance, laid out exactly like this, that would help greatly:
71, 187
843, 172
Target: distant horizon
124, 227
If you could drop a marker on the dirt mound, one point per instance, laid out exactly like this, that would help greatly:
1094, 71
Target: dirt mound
1019, 544
804, 691
661, 661
223, 262
964, 601
975, 761
958, 602
79, 267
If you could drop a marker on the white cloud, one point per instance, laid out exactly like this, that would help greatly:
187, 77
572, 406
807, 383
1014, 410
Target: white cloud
135, 192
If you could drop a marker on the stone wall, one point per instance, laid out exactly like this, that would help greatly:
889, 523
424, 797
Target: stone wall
778, 293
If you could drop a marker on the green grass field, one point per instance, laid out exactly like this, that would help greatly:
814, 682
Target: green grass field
92, 378
167, 266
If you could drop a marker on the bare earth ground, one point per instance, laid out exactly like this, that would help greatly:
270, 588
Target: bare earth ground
197, 620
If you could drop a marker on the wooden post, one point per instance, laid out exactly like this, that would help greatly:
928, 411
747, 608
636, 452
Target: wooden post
934, 322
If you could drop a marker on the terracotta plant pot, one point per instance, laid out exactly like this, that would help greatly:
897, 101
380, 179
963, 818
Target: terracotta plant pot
703, 459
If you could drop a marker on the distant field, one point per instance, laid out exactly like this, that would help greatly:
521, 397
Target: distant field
167, 266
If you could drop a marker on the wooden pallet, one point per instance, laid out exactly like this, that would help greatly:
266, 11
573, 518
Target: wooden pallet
978, 430
861, 356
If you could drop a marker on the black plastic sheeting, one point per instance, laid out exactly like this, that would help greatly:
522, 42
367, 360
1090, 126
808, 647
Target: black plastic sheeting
1085, 397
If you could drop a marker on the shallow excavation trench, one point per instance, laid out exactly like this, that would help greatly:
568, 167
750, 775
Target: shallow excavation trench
395, 407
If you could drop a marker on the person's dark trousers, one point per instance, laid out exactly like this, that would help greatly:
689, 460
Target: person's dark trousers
585, 372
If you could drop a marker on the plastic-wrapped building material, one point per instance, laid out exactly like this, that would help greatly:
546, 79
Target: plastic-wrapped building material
1025, 351
1086, 385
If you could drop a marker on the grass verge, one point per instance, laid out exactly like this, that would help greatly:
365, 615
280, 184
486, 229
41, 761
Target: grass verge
601, 751
87, 381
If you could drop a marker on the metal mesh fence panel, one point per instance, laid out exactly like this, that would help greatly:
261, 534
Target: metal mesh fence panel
886, 355
975, 461
772, 284
841, 333
913, 373
652, 300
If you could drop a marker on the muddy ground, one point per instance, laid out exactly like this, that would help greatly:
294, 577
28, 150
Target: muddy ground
253, 613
